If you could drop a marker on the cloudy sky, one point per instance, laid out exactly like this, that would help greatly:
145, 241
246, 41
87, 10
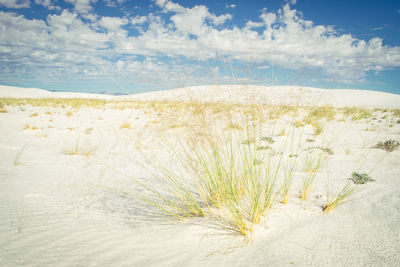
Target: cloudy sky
132, 46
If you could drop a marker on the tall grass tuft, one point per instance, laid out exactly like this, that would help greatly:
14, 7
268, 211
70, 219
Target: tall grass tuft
217, 175
335, 199
311, 165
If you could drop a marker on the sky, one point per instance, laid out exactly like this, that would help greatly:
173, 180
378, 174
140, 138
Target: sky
133, 46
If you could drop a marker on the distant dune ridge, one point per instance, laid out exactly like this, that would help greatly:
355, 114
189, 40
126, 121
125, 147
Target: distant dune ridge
236, 93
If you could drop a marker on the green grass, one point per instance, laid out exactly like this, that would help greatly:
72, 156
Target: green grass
217, 175
357, 113
333, 200
312, 163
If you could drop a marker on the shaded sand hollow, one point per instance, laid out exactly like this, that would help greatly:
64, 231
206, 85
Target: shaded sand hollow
60, 167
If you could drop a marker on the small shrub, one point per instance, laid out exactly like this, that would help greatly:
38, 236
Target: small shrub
388, 145
361, 178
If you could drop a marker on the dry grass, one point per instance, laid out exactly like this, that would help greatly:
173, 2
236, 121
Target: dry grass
333, 200
312, 163
357, 113
126, 125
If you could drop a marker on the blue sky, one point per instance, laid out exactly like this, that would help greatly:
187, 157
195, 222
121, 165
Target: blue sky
130, 46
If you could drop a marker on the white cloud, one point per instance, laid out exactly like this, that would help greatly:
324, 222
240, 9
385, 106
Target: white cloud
112, 3
15, 3
138, 20
230, 6
47, 4
82, 6
292, 2
191, 20
113, 24
66, 44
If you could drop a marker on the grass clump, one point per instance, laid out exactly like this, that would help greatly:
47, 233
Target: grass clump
327, 112
79, 148
334, 200
361, 178
357, 113
126, 125
217, 175
311, 165
388, 145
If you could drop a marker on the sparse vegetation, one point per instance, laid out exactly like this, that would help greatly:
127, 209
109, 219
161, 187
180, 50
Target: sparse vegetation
327, 150
312, 163
357, 113
126, 125
333, 200
388, 145
235, 174
79, 148
2, 108
18, 155
361, 178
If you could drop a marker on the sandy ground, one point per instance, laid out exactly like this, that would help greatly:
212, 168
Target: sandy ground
57, 209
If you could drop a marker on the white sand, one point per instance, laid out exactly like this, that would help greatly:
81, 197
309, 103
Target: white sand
56, 209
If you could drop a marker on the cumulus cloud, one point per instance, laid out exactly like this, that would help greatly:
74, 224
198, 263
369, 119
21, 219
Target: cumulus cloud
82, 6
138, 20
67, 43
15, 3
47, 4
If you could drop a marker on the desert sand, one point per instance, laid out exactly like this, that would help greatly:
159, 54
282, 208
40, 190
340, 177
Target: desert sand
66, 173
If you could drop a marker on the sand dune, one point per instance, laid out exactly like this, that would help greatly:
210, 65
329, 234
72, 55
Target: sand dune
237, 93
63, 173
